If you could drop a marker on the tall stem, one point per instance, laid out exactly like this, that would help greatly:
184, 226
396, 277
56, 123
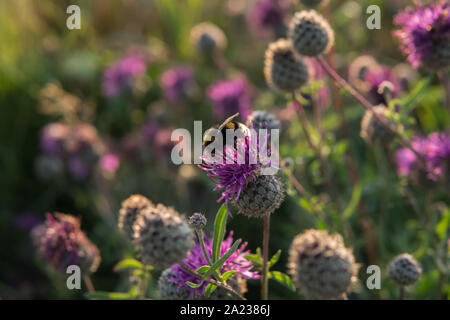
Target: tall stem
265, 257
89, 285
401, 293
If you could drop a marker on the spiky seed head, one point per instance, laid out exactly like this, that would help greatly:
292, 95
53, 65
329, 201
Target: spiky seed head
404, 270
162, 236
310, 33
439, 57
321, 266
261, 196
263, 120
372, 131
311, 3
169, 288
208, 38
358, 69
197, 221
131, 208
283, 69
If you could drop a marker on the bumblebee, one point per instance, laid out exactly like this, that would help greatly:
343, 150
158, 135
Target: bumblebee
228, 124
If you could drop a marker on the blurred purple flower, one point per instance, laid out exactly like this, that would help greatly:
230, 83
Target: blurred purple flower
52, 138
61, 243
424, 29
376, 78
229, 97
267, 16
110, 162
435, 149
78, 167
176, 83
196, 259
119, 76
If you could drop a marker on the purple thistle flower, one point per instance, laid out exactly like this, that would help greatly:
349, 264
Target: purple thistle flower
230, 97
119, 76
176, 83
435, 149
230, 175
61, 243
52, 138
425, 30
267, 16
196, 259
375, 78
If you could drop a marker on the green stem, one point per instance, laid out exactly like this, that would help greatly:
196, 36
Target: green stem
265, 254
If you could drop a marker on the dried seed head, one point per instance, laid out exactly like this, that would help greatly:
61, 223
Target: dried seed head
131, 208
162, 236
310, 33
263, 120
358, 70
208, 38
169, 288
283, 69
197, 221
321, 266
261, 197
404, 270
372, 131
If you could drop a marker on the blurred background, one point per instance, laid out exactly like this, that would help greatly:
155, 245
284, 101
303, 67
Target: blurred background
79, 135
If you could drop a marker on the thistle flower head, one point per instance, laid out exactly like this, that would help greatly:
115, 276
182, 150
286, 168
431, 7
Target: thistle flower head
131, 208
263, 120
61, 243
208, 38
230, 97
234, 168
197, 221
162, 236
321, 266
196, 259
404, 270
118, 77
284, 70
372, 131
435, 150
379, 81
261, 197
177, 83
425, 34
310, 33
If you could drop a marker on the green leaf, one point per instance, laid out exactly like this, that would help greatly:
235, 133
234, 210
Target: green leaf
254, 258
282, 278
194, 285
274, 258
407, 102
219, 263
227, 275
210, 289
219, 231
354, 201
128, 264
102, 295
443, 227
203, 269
